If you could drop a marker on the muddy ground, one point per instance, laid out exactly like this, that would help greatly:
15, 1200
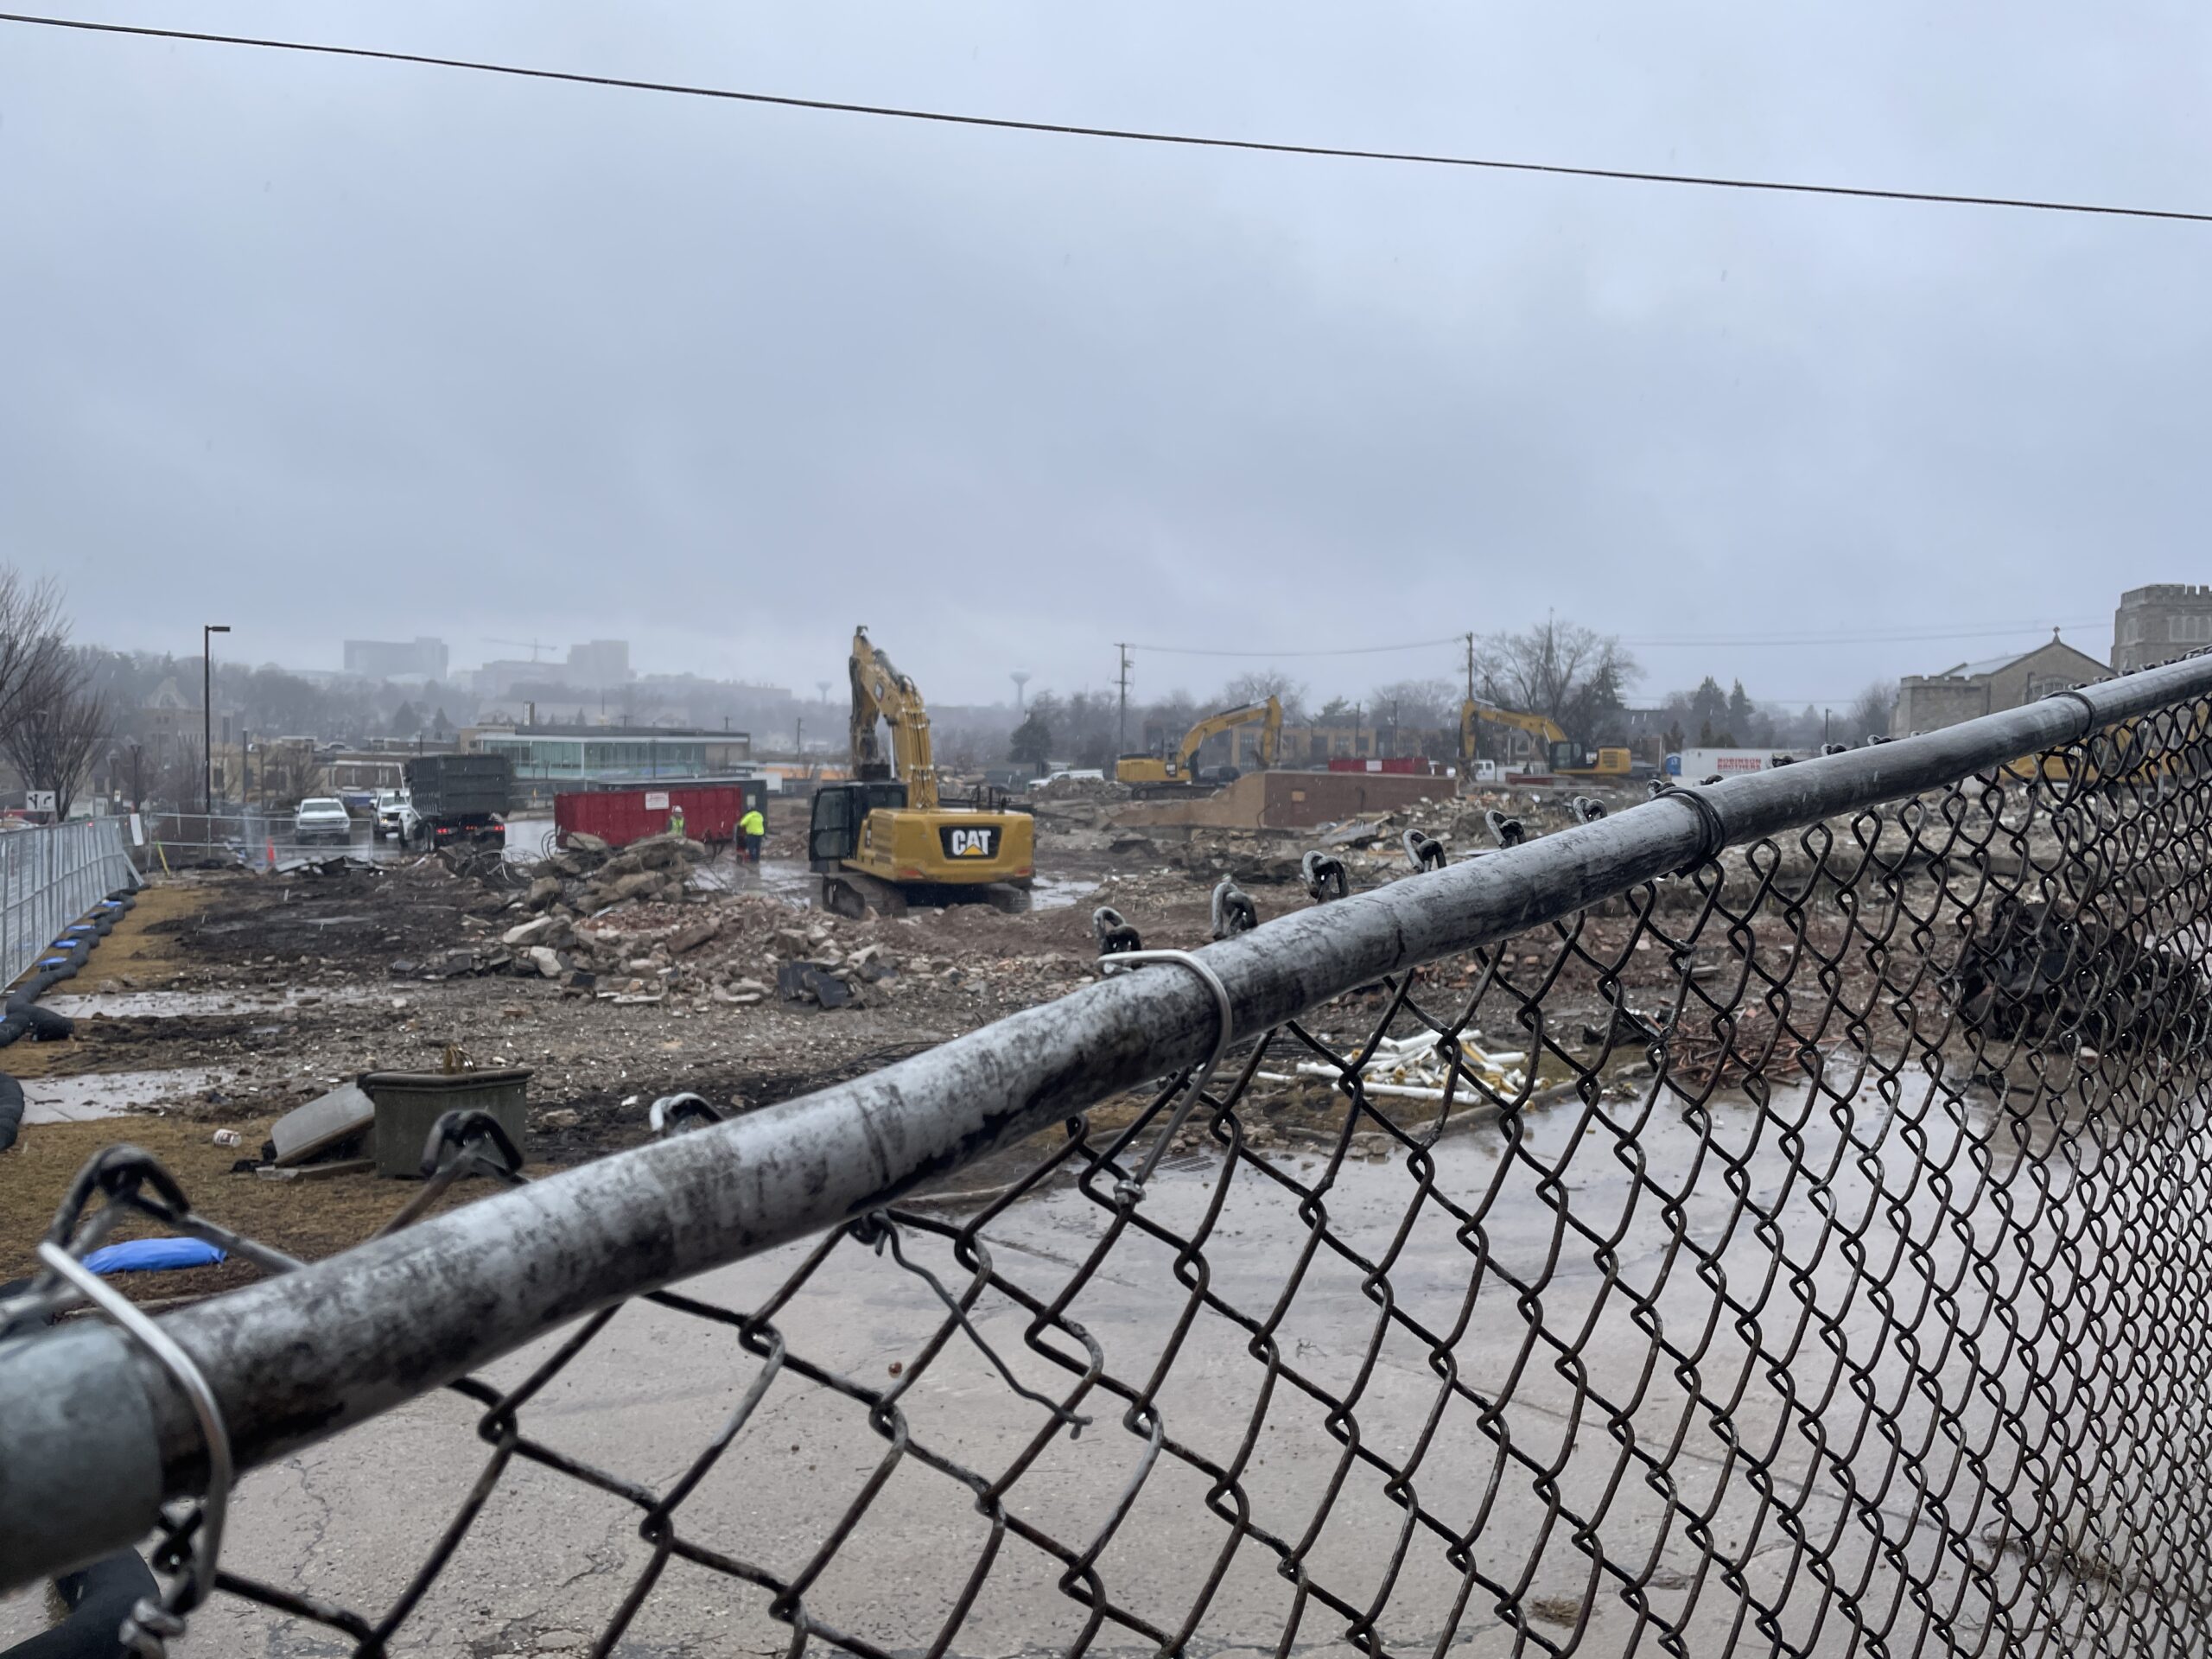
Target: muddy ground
226, 999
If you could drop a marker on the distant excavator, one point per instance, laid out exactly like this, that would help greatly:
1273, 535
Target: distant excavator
1181, 769
1563, 756
886, 840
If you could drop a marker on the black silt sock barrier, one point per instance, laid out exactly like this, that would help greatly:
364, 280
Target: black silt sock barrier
24, 1017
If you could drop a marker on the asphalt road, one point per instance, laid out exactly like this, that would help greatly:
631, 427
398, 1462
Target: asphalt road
550, 1558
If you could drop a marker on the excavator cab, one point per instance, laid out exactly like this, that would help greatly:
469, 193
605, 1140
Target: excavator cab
833, 832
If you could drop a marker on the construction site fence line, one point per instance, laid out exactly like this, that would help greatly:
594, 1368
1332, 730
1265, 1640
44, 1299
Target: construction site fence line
51, 875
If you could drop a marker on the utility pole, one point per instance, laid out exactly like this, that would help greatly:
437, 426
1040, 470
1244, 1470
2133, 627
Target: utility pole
1470, 667
208, 721
1124, 683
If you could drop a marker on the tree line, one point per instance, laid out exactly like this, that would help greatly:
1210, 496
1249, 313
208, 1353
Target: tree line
54, 719
1576, 677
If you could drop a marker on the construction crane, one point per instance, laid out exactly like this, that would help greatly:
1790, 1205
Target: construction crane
1179, 769
886, 840
1563, 756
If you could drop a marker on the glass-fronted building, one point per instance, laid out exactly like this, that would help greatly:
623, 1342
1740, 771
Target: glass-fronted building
618, 753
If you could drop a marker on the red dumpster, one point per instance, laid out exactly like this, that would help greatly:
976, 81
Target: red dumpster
619, 817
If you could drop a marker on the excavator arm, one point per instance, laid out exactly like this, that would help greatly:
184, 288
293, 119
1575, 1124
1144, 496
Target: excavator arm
881, 692
1229, 720
1541, 725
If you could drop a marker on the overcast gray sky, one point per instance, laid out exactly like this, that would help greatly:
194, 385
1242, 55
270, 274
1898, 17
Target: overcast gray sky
324, 348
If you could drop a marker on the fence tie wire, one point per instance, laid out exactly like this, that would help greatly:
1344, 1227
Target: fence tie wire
1132, 1189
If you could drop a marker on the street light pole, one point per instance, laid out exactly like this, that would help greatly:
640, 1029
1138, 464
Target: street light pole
207, 723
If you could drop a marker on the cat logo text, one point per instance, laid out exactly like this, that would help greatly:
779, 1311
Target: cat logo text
966, 842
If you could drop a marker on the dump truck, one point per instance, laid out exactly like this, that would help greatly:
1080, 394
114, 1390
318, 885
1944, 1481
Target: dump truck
462, 798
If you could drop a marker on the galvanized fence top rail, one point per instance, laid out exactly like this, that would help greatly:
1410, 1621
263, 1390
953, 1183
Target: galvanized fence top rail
1853, 1359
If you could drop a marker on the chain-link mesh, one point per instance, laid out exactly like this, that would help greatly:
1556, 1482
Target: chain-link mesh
1804, 1253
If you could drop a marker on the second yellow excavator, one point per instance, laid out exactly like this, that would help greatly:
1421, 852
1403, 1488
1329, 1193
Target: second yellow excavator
886, 840
1181, 767
1562, 756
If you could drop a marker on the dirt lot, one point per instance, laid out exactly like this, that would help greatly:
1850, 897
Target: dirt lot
226, 998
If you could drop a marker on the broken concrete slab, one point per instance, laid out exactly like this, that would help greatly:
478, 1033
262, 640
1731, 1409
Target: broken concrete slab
321, 1124
528, 933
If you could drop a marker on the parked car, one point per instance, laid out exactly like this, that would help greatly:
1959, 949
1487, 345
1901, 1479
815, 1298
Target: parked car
322, 818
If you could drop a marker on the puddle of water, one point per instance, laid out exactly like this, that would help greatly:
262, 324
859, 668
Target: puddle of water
1058, 892
77, 1100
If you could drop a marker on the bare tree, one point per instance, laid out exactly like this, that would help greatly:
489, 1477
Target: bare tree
1415, 705
1167, 720
33, 644
1870, 714
1573, 674
61, 723
1257, 686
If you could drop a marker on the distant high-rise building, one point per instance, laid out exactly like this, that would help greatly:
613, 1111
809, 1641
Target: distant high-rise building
599, 663
392, 659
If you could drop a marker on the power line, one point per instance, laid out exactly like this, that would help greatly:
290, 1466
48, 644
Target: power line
1884, 636
1125, 135
1324, 651
1879, 637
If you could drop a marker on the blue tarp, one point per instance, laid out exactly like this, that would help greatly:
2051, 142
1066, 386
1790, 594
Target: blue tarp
151, 1254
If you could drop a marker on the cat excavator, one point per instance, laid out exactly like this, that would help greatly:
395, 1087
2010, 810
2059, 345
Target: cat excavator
1563, 756
886, 840
1180, 769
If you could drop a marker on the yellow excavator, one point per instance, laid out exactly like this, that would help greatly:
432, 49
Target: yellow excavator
1563, 756
886, 840
1181, 769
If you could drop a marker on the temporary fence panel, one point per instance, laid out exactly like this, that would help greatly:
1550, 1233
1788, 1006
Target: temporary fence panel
1773, 1218
52, 876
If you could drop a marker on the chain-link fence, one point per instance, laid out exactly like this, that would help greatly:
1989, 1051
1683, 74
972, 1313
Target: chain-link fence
51, 876
1774, 1218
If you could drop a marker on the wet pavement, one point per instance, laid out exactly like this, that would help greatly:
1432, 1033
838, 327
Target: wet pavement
1591, 1232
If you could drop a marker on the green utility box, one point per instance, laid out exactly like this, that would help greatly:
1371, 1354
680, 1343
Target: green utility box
408, 1104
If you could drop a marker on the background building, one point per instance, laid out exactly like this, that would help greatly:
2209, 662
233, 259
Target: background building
606, 753
1928, 701
595, 665
391, 659
2157, 624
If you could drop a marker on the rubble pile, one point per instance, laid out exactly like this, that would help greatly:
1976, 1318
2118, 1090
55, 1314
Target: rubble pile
1065, 789
733, 951
587, 876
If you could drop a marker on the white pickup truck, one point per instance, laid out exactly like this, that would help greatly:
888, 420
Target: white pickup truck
323, 818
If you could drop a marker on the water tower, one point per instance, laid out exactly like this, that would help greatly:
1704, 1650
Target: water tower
1020, 677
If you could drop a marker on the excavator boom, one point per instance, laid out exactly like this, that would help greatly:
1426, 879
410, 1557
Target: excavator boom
1269, 713
1562, 754
881, 692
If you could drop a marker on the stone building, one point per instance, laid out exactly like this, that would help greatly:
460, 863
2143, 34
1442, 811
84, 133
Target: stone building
2157, 624
1927, 702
